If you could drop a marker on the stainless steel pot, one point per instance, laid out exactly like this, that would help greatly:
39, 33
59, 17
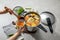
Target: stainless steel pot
32, 29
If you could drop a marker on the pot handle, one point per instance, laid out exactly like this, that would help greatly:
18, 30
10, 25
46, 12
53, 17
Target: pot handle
50, 25
42, 28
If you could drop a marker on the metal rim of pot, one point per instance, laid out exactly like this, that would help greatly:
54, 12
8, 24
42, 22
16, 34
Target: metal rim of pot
34, 13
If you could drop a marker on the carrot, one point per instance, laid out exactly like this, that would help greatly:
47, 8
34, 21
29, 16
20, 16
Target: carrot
26, 18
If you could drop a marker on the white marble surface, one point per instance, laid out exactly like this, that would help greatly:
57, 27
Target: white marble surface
40, 5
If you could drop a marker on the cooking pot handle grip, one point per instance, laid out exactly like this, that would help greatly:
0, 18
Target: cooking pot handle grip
50, 25
42, 28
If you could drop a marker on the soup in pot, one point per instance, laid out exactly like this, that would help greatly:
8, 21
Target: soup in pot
32, 19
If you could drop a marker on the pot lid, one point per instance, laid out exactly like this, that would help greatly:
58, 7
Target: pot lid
45, 15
